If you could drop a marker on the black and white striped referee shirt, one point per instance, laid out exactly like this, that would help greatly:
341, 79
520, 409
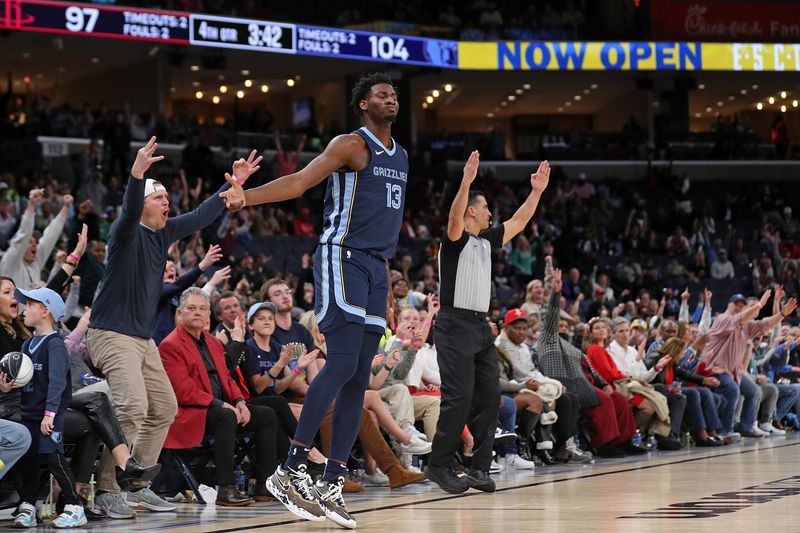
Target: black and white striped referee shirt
465, 269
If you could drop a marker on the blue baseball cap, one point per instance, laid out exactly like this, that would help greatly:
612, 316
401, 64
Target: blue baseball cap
256, 307
738, 297
48, 297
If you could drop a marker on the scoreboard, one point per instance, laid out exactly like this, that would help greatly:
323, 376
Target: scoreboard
225, 32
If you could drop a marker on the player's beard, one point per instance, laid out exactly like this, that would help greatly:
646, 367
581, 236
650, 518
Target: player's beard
390, 118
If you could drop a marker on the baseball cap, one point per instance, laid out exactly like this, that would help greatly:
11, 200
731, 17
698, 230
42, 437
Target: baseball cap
256, 307
639, 323
152, 186
513, 315
48, 297
738, 297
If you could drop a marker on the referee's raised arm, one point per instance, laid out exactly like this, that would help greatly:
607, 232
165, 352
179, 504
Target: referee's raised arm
455, 221
517, 223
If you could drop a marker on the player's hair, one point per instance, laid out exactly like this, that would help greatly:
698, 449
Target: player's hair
364, 85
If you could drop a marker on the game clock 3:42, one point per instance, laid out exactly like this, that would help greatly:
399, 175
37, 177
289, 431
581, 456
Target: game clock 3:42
245, 34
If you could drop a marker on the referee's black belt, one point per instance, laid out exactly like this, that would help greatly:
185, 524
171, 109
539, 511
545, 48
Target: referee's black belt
465, 313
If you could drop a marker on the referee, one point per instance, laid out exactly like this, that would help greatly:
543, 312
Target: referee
464, 343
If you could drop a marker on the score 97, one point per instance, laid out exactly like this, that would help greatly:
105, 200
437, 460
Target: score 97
81, 19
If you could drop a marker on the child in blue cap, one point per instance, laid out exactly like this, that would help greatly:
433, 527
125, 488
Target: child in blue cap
44, 401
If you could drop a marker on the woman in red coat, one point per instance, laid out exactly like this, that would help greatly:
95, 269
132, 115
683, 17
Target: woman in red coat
602, 361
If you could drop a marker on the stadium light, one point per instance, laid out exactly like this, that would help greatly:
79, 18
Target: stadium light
593, 86
490, 115
577, 98
511, 97
794, 103
223, 89
743, 92
245, 72
783, 95
290, 82
429, 99
448, 88
755, 86
783, 109
199, 95
194, 68
518, 91
248, 83
264, 88
424, 105
215, 99
759, 106
771, 100
701, 86
240, 94
526, 86
436, 93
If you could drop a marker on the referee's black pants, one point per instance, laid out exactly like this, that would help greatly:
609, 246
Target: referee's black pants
470, 386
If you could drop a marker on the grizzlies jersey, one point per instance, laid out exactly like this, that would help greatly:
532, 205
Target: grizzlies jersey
364, 209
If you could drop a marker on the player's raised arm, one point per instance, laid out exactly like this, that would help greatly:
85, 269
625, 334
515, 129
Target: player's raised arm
455, 221
517, 223
341, 152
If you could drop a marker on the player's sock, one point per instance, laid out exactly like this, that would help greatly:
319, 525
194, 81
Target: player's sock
298, 455
333, 470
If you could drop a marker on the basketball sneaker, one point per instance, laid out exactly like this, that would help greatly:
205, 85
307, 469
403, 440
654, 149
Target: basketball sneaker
329, 496
293, 488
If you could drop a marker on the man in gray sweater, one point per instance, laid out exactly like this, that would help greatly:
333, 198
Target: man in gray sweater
120, 340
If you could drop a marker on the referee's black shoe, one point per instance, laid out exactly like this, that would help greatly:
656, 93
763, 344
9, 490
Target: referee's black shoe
448, 479
478, 479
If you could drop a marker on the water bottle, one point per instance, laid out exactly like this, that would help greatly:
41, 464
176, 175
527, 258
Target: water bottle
90, 497
89, 379
636, 440
241, 479
652, 443
687, 439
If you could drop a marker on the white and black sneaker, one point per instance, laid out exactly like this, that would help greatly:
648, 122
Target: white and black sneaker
293, 488
329, 496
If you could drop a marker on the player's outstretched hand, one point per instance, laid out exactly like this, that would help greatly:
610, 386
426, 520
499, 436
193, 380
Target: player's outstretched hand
234, 197
243, 169
541, 178
471, 168
145, 158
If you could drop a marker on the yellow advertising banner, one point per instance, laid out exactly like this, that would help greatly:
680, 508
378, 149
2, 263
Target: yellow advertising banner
682, 56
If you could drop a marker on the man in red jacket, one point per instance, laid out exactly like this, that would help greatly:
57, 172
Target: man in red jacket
210, 403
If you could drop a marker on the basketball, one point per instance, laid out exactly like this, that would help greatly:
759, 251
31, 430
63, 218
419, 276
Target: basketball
18, 366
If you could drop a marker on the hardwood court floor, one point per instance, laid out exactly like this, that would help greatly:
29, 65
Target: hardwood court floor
752, 486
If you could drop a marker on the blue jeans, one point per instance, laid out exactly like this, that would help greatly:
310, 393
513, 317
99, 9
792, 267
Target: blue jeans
730, 390
14, 442
702, 408
752, 400
508, 421
788, 396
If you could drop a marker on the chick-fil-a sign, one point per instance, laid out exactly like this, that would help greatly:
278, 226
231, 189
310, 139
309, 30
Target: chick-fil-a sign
725, 21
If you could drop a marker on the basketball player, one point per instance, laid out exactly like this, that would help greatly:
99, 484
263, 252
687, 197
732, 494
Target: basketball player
367, 172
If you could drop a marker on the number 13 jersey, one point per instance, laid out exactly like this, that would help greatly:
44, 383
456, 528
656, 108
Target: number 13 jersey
364, 209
